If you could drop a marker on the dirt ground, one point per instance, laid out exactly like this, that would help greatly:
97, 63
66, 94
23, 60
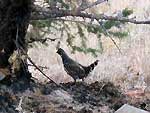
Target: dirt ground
97, 97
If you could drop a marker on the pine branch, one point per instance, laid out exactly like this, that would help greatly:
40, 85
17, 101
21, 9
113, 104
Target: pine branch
42, 14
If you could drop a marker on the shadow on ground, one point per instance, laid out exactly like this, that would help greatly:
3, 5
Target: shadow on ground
81, 97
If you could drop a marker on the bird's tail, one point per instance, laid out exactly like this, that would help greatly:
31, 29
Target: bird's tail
89, 68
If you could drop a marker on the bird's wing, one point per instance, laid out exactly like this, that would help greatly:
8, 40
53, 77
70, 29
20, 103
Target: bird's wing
74, 69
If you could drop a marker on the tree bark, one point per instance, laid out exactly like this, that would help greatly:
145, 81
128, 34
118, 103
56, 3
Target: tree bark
14, 20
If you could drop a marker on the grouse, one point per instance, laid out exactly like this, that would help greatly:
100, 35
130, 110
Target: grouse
74, 69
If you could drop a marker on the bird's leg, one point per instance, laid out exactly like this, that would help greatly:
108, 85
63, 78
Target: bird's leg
82, 79
75, 81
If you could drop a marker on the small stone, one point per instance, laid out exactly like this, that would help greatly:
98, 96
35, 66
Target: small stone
130, 109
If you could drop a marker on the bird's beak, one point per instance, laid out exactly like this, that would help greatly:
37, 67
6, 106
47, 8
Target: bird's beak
57, 51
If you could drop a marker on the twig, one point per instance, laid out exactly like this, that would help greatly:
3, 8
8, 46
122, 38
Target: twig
42, 40
91, 5
44, 73
18, 50
106, 32
102, 87
19, 108
43, 67
37, 67
40, 69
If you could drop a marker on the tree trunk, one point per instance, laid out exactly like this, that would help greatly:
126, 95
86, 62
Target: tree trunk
14, 20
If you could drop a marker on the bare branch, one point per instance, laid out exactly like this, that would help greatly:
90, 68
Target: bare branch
42, 67
91, 5
106, 32
52, 14
42, 40
41, 70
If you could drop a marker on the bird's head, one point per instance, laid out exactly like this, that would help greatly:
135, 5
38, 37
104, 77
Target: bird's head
60, 51
96, 62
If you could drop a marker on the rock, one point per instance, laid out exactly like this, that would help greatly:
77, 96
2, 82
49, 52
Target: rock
130, 109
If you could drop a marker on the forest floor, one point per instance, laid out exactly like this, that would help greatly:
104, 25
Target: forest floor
97, 97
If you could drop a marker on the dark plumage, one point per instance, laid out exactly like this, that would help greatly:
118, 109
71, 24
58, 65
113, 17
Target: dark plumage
74, 69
